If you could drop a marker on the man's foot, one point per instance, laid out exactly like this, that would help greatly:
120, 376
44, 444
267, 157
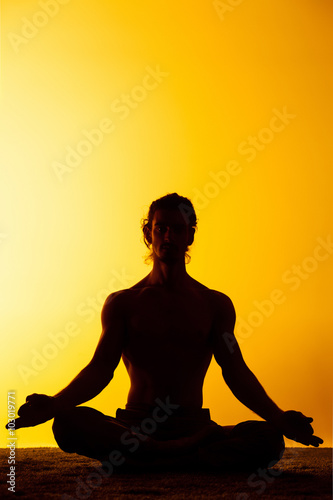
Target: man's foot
185, 445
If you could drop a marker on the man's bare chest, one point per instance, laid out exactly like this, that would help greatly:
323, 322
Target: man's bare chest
169, 321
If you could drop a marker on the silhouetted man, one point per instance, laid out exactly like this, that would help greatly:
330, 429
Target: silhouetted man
166, 328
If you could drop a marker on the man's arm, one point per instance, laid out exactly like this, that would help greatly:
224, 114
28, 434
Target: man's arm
91, 380
243, 383
99, 372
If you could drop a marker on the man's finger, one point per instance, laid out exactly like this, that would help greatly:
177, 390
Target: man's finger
24, 422
316, 441
30, 397
17, 424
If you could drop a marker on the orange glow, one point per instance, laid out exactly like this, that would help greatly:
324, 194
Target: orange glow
106, 107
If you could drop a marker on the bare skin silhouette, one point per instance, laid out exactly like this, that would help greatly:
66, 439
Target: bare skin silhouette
166, 328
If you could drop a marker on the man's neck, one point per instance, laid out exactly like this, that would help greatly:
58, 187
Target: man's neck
168, 275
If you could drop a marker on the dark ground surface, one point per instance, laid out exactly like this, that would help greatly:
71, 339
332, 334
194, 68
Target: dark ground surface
303, 473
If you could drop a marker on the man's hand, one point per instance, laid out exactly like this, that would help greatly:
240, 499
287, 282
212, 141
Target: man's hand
39, 408
296, 426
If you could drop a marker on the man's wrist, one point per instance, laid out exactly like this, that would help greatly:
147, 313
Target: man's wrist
276, 417
58, 403
61, 403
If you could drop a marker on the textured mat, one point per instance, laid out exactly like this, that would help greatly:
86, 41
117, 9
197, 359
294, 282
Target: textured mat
303, 473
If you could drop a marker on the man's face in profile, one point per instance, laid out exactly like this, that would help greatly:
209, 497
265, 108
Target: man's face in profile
170, 235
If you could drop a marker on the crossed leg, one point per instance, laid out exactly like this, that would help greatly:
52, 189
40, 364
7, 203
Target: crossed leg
246, 446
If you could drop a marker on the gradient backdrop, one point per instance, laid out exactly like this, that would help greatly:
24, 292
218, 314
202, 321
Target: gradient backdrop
106, 107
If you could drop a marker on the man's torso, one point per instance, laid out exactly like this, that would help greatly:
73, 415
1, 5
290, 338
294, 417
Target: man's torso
167, 347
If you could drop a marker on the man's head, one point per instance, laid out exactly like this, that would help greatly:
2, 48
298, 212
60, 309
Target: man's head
169, 228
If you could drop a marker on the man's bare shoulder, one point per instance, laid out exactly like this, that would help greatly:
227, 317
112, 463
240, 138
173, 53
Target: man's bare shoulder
115, 303
221, 303
122, 297
219, 298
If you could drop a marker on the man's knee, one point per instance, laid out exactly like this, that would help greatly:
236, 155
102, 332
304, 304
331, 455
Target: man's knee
63, 430
264, 436
272, 436
274, 440
62, 435
69, 426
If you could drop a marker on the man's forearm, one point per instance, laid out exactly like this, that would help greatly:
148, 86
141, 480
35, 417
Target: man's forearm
86, 385
248, 390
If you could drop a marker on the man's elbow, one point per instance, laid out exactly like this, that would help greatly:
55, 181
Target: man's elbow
234, 375
227, 376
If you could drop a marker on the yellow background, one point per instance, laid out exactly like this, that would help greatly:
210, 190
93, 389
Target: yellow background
67, 240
